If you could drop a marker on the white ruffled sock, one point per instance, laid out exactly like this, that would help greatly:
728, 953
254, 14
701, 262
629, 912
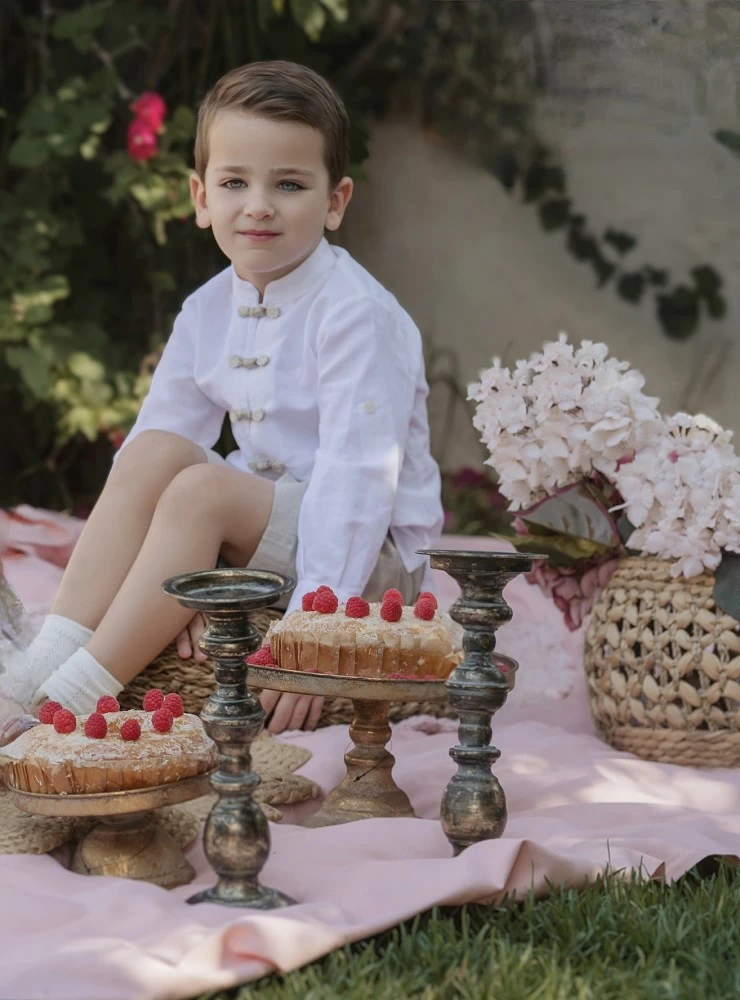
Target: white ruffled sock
78, 683
57, 639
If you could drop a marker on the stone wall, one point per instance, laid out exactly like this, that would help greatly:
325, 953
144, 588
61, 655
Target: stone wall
632, 94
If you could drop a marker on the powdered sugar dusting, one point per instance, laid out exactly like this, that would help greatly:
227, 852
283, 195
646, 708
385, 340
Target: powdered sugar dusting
42, 743
371, 629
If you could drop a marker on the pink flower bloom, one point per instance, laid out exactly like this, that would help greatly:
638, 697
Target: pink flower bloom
151, 109
574, 590
141, 141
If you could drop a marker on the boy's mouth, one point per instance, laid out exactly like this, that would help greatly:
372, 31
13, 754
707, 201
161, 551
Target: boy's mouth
258, 235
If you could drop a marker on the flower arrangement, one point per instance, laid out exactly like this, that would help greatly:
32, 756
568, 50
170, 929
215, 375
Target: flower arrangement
591, 470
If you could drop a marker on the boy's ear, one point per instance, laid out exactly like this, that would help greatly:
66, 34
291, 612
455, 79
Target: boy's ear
198, 194
338, 201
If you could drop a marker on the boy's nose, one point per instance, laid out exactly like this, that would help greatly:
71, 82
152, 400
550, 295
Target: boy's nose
258, 207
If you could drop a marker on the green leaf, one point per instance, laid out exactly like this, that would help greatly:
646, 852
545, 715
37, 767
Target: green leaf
310, 15
554, 213
631, 286
729, 139
717, 306
727, 584
621, 241
574, 512
581, 244
560, 550
656, 276
85, 368
181, 124
707, 279
28, 151
338, 9
83, 420
79, 26
32, 367
624, 528
678, 312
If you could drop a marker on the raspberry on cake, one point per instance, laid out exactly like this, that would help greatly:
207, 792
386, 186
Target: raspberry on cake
130, 730
325, 602
162, 720
96, 728
64, 721
425, 609
47, 712
389, 639
173, 702
427, 595
107, 703
261, 657
153, 699
357, 607
391, 610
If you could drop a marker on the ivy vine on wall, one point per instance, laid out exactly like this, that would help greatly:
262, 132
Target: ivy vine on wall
478, 85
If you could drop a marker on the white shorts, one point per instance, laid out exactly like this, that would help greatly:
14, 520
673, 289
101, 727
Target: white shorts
276, 551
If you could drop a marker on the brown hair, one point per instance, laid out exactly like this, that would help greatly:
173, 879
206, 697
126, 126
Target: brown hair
283, 91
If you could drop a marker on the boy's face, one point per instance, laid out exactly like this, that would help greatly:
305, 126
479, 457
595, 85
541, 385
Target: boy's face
266, 194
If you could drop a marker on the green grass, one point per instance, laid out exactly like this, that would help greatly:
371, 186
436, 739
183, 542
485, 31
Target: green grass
611, 941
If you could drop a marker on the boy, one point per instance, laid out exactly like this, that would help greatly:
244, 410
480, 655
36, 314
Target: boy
321, 373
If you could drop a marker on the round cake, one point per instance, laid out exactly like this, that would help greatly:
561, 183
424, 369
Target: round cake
72, 763
358, 639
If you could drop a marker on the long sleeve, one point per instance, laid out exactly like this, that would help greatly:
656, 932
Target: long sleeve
368, 362
175, 402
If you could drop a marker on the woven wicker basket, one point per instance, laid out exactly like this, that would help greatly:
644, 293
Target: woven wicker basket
195, 683
663, 667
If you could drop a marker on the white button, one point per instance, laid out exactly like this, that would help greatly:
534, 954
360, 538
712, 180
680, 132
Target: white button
240, 415
258, 416
273, 312
244, 311
276, 466
252, 465
236, 362
262, 360
369, 406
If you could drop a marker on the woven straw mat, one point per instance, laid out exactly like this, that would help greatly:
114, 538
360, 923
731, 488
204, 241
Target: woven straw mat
195, 683
21, 833
663, 667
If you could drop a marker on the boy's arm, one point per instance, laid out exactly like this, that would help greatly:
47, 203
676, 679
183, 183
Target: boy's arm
174, 401
368, 364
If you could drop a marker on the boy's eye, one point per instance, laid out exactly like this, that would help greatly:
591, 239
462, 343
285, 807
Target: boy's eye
233, 183
290, 186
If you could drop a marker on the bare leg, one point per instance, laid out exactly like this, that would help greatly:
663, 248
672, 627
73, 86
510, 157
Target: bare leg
206, 510
120, 520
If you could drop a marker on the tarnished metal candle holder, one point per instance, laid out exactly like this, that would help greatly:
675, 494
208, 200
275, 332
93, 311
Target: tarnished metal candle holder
236, 836
473, 804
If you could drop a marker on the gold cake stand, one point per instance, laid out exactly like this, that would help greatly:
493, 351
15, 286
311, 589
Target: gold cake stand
125, 841
367, 790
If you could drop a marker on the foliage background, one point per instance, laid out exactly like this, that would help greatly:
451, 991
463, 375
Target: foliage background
98, 251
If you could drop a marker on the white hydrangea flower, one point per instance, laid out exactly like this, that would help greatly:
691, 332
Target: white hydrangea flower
560, 417
682, 494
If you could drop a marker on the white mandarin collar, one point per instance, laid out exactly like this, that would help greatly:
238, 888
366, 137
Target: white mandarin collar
291, 286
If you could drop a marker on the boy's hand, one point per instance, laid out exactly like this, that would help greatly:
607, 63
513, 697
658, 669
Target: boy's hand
291, 711
187, 640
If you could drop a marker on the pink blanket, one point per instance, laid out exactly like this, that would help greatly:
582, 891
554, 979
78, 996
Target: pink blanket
576, 809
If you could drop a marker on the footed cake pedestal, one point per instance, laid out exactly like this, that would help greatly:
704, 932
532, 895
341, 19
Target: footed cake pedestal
368, 789
125, 841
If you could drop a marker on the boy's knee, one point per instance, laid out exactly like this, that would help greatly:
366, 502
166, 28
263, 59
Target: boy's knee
194, 490
157, 454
